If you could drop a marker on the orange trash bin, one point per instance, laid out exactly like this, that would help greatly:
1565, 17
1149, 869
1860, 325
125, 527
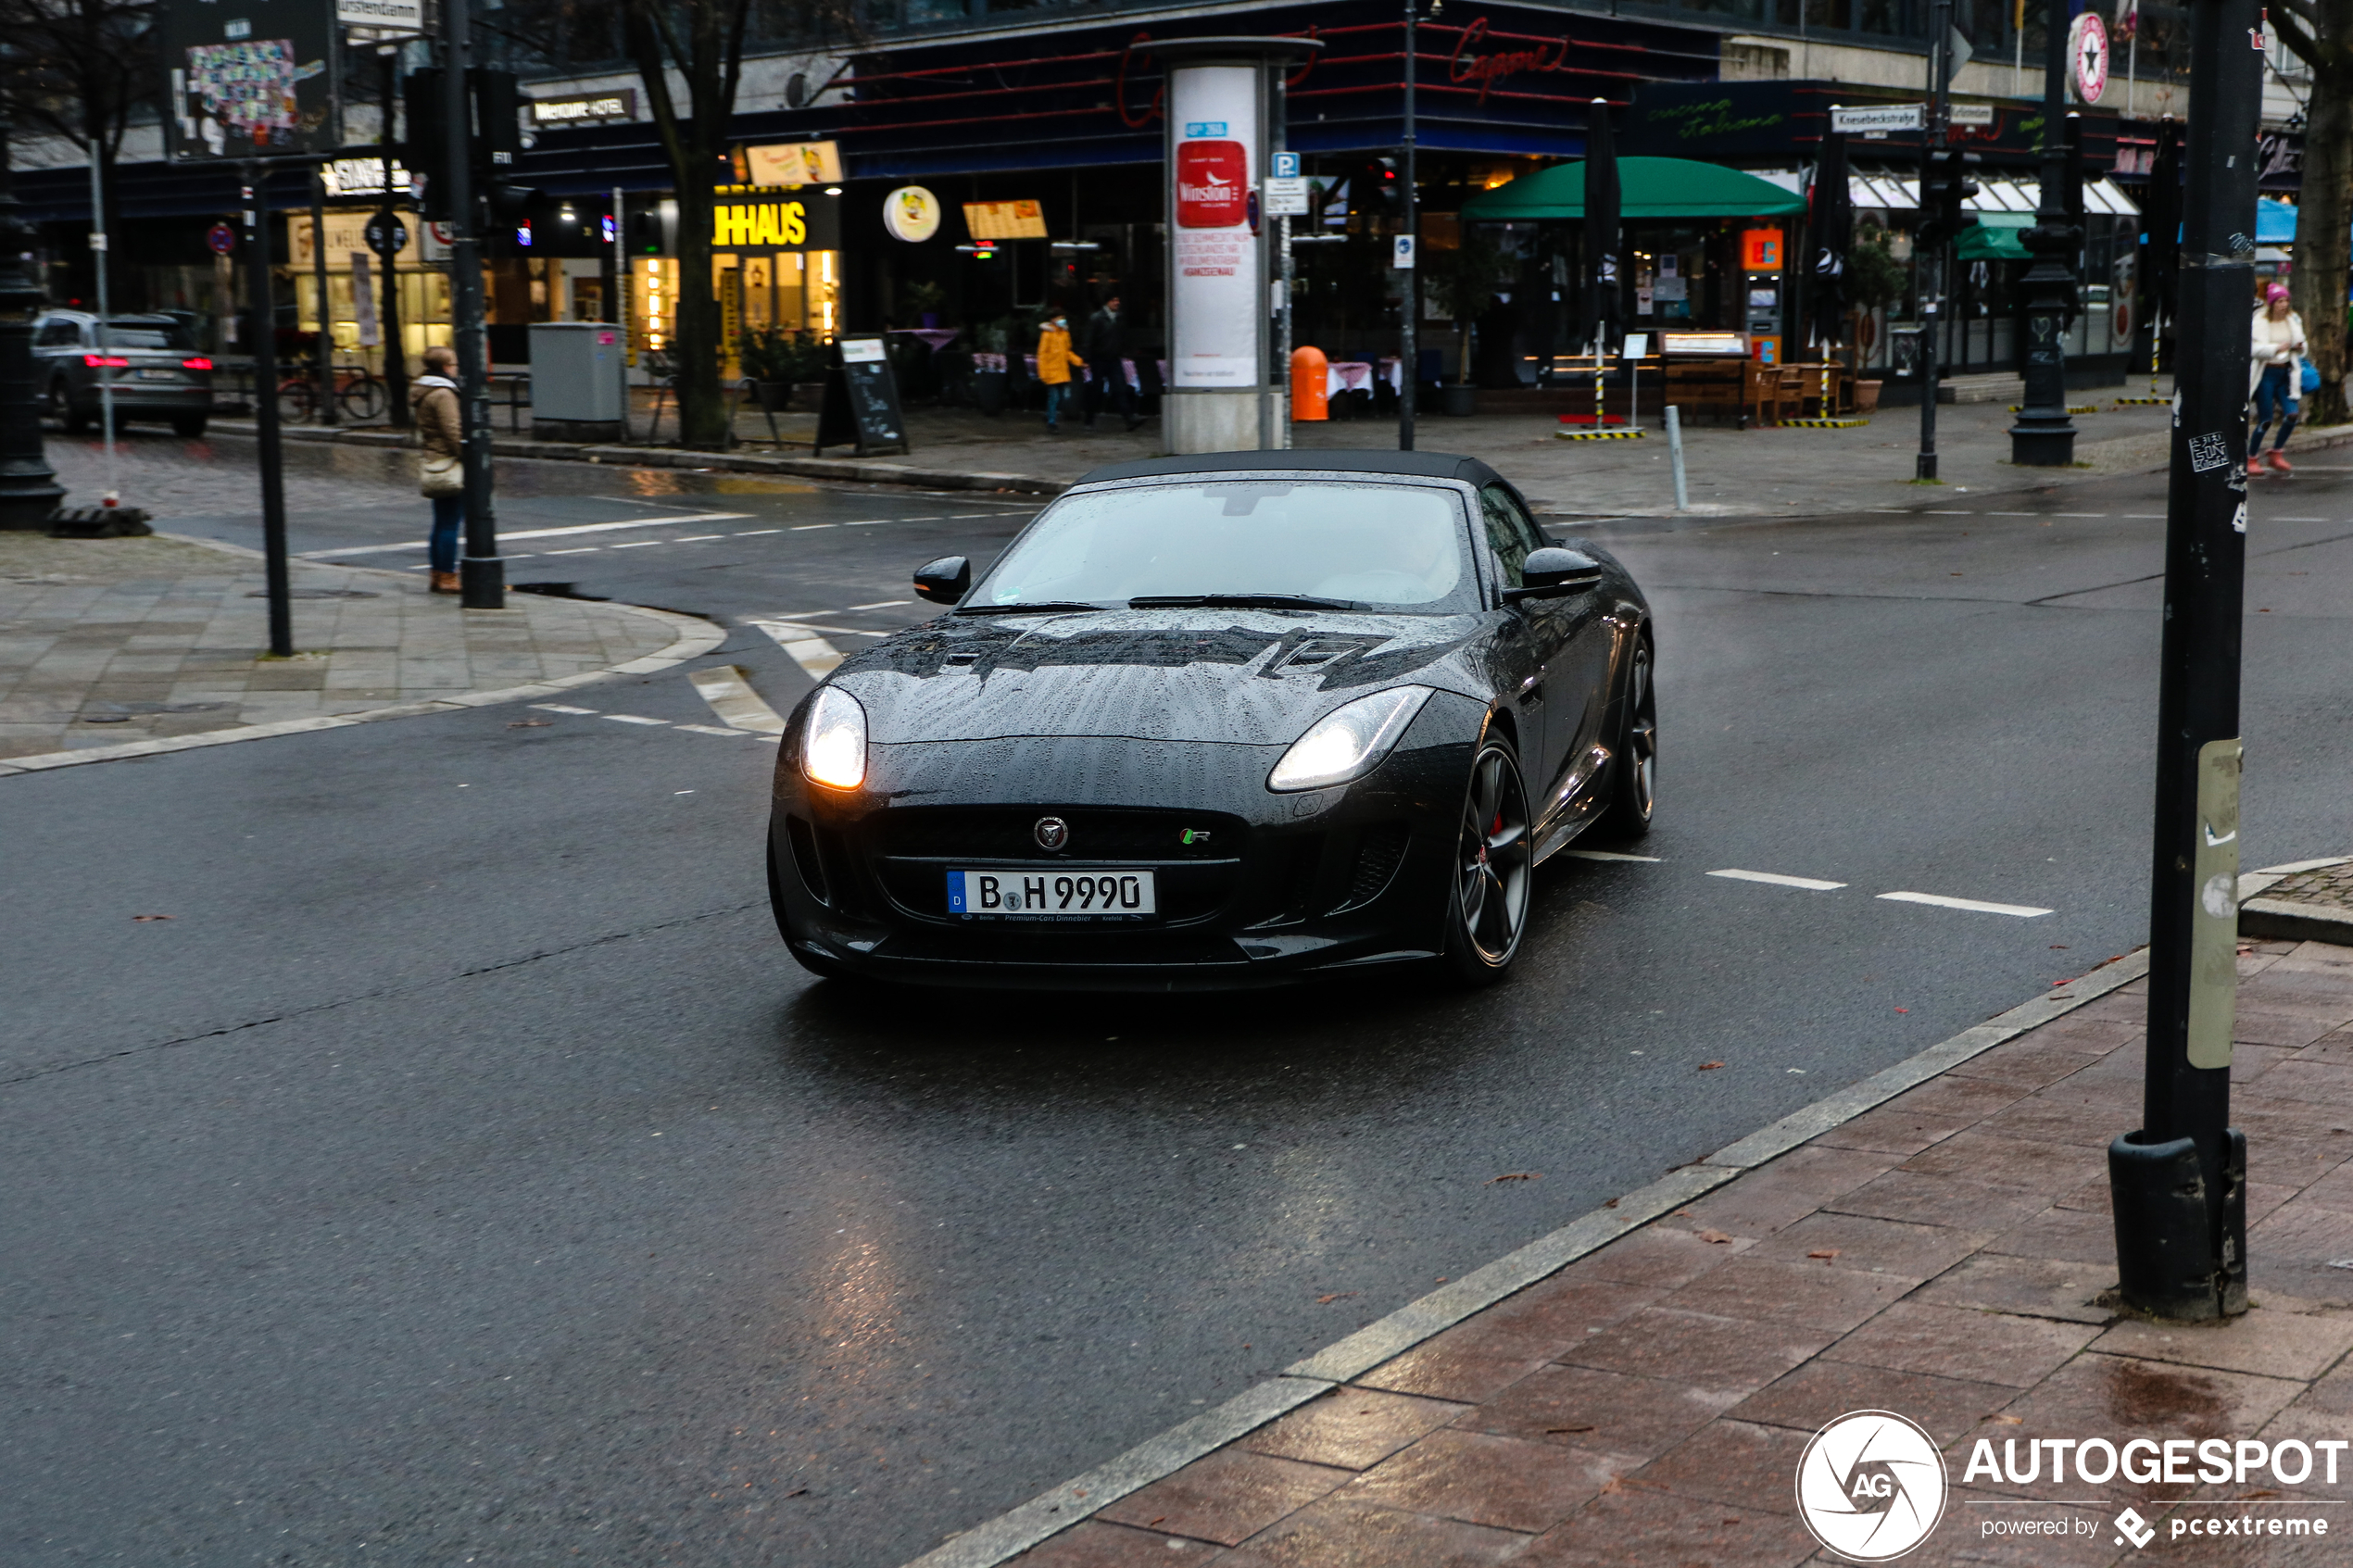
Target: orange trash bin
1310, 376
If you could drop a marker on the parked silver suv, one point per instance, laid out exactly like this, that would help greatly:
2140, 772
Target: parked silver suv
156, 372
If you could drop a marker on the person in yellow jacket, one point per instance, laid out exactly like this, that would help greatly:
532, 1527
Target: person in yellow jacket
1054, 360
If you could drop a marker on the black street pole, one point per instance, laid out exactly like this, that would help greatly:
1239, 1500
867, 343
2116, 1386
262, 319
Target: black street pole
481, 575
388, 251
322, 348
2043, 436
1932, 254
1409, 297
262, 318
2179, 1183
29, 487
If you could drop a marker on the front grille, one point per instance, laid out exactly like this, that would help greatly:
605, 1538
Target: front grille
1009, 832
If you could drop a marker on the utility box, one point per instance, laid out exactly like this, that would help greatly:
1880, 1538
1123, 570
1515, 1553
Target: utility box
576, 380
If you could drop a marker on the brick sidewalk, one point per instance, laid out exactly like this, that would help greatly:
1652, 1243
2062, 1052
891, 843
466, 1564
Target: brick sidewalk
108, 642
1944, 1256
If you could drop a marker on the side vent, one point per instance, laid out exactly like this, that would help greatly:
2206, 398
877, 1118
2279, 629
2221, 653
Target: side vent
1377, 855
1318, 653
805, 859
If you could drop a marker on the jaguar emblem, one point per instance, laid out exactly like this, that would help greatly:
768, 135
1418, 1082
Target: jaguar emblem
1051, 832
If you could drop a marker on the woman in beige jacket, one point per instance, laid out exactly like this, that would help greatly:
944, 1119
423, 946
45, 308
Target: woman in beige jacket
2276, 369
432, 398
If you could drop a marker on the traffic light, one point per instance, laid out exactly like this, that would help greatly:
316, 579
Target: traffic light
1944, 187
425, 150
497, 143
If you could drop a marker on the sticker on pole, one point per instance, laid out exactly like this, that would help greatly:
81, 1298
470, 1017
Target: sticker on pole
1403, 257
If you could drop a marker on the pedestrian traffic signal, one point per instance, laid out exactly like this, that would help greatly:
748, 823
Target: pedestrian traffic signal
495, 146
1944, 188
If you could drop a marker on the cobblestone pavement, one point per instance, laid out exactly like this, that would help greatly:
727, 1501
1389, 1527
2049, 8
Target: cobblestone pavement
104, 642
1946, 1256
2329, 885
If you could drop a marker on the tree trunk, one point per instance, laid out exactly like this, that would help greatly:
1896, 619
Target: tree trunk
2322, 216
702, 409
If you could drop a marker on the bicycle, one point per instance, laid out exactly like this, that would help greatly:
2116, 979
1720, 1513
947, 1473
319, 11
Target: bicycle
361, 394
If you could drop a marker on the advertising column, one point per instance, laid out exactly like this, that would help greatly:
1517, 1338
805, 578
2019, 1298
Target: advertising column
1218, 303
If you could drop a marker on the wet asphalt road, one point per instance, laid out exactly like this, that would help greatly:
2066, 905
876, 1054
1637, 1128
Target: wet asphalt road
465, 1174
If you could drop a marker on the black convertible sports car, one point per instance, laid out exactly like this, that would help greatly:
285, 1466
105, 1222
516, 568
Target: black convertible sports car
1216, 720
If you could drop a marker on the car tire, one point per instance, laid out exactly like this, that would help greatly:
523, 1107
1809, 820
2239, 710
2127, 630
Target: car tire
822, 968
189, 425
1491, 875
1633, 791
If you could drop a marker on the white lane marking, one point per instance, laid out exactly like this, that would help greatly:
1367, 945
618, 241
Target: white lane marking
638, 543
2078, 514
1811, 884
811, 652
536, 534
633, 718
560, 707
2150, 516
871, 522
1891, 511
729, 692
1975, 906
884, 604
1608, 855
698, 538
805, 527
1947, 511
575, 550
712, 730
2301, 519
751, 532
2013, 514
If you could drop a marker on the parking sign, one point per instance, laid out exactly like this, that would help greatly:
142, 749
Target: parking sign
1286, 166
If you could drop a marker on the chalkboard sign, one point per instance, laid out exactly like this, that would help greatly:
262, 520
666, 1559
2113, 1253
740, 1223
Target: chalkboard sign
861, 401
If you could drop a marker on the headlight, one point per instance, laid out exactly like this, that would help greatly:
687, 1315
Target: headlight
833, 747
1349, 742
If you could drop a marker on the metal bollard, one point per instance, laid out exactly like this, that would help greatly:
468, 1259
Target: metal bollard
1675, 456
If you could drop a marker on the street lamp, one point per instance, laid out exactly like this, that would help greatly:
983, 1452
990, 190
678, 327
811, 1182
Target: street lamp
2043, 436
1409, 307
29, 487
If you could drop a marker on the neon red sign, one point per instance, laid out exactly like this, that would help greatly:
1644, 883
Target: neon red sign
1488, 69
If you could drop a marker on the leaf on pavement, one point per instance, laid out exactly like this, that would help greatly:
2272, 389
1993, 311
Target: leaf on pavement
1709, 1066
1610, 1204
1553, 1431
1824, 1253
1335, 1296
528, 723
150, 917
1714, 1238
1515, 1176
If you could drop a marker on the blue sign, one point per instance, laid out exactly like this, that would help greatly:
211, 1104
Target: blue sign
1286, 166
1205, 128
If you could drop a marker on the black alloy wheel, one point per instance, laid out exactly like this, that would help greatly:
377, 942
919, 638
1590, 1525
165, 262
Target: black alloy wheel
1494, 867
1634, 792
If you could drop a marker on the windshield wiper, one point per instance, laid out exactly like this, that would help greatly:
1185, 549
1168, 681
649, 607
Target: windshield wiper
1044, 607
1236, 601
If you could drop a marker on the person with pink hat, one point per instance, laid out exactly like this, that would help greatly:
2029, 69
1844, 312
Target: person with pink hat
2276, 369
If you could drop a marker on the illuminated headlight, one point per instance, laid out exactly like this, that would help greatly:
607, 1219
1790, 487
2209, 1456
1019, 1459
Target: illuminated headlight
1349, 742
833, 746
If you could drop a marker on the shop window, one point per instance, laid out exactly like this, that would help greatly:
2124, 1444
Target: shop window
1835, 15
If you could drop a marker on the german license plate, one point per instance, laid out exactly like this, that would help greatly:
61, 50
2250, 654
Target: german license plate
157, 375
1051, 895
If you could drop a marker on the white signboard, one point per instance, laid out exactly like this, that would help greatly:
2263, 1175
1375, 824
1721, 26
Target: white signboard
1972, 114
1285, 197
1214, 289
402, 16
1879, 117
1402, 259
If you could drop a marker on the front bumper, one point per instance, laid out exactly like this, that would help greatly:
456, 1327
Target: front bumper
1271, 887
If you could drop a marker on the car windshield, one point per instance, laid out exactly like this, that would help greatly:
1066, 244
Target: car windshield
1353, 546
148, 334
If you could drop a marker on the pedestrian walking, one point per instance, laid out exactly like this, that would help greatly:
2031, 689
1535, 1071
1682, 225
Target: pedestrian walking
2276, 367
1054, 360
440, 475
1106, 345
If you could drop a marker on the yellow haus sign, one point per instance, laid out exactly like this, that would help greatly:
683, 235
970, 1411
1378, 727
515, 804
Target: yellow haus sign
775, 223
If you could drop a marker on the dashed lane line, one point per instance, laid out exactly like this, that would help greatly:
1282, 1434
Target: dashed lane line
755, 533
1811, 884
815, 656
1974, 906
884, 604
561, 707
728, 691
697, 538
1609, 855
633, 718
639, 544
809, 527
536, 534
711, 730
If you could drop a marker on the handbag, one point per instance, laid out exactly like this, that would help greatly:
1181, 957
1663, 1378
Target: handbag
438, 476
2311, 380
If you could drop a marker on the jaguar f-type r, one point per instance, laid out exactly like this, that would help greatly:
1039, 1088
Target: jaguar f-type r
1220, 721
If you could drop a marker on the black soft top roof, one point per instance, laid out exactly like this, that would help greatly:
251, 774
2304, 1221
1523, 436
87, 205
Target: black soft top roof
1411, 465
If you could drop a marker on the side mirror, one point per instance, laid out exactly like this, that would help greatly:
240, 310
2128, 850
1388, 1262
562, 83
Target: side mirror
945, 580
1554, 572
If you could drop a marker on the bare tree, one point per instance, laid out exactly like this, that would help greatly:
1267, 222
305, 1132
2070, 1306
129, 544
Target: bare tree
2321, 31
79, 71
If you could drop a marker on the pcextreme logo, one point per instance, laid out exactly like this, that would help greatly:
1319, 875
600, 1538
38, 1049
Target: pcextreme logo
1871, 1486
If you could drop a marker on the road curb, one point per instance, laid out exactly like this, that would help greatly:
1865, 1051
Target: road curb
1052, 1511
694, 638
683, 458
2289, 919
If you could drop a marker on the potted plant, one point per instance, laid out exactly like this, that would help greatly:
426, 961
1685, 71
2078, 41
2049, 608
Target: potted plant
770, 359
1462, 284
1874, 281
926, 299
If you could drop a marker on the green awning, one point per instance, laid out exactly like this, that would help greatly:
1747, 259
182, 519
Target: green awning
1654, 187
1994, 237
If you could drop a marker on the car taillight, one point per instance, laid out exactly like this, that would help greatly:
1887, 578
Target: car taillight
98, 361
198, 364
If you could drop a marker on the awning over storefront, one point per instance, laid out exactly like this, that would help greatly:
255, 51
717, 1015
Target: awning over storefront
1994, 237
2275, 222
1656, 188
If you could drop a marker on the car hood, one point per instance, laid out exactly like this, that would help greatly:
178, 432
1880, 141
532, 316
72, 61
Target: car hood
1246, 677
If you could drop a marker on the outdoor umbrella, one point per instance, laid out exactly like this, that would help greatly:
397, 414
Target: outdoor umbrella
1830, 226
2161, 233
1603, 196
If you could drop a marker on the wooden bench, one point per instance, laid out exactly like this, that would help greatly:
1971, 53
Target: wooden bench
1720, 387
